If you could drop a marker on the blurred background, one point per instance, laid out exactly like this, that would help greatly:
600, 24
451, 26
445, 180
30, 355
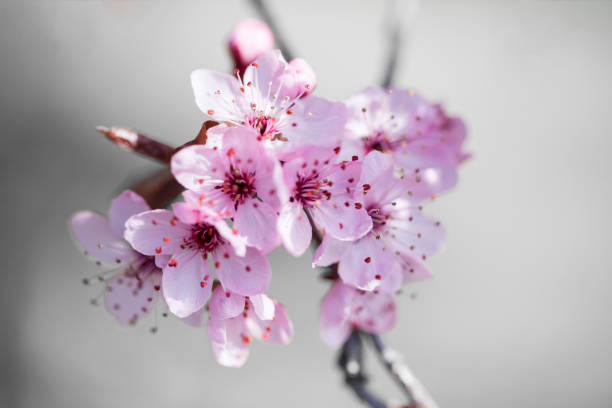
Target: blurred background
519, 311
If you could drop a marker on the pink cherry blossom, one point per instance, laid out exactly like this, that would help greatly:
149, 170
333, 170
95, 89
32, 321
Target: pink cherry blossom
345, 308
426, 144
237, 182
267, 99
185, 241
313, 182
303, 75
249, 40
401, 237
131, 292
235, 320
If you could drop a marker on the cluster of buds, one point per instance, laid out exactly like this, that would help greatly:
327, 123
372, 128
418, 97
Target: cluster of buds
282, 167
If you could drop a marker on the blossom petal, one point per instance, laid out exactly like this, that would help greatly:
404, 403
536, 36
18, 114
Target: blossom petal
315, 121
253, 220
378, 182
129, 298
375, 312
330, 251
155, 232
248, 275
95, 236
234, 350
225, 304
184, 287
294, 229
263, 306
366, 264
412, 232
334, 320
123, 207
218, 95
277, 330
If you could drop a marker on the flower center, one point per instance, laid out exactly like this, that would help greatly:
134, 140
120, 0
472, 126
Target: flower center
238, 185
309, 190
266, 126
204, 237
379, 220
377, 141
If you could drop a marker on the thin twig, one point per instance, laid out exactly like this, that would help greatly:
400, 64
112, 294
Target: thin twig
394, 43
264, 13
414, 390
138, 143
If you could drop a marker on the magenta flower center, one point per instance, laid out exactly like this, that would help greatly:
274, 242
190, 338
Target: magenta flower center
204, 237
309, 190
379, 220
238, 185
377, 141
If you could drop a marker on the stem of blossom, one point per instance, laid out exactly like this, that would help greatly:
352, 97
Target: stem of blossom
264, 13
161, 187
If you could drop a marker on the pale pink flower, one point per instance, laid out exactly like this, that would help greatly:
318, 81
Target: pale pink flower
267, 99
345, 308
131, 292
314, 182
236, 181
185, 241
425, 143
401, 237
235, 320
249, 40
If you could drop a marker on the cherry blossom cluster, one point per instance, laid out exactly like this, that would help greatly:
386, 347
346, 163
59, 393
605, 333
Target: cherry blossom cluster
283, 167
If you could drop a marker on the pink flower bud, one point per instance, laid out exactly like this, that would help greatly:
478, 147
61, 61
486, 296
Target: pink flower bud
249, 40
304, 76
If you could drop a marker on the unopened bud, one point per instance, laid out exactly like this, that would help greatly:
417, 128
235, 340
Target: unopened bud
249, 40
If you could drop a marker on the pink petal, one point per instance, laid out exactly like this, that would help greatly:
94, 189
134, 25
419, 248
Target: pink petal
429, 167
294, 229
277, 330
232, 236
156, 232
366, 264
225, 304
253, 220
248, 275
377, 174
263, 306
317, 122
234, 350
184, 287
214, 93
334, 320
194, 319
374, 312
340, 219
414, 269
330, 251
268, 71
200, 169
412, 232
123, 207
95, 236
128, 298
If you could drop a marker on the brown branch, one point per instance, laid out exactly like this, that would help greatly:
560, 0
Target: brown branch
160, 188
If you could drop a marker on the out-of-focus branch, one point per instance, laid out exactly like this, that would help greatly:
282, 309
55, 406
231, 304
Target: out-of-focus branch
264, 13
414, 390
394, 42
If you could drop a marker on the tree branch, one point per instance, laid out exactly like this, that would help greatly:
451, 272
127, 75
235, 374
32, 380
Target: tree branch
264, 13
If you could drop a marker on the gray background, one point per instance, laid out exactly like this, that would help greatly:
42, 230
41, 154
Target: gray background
518, 314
